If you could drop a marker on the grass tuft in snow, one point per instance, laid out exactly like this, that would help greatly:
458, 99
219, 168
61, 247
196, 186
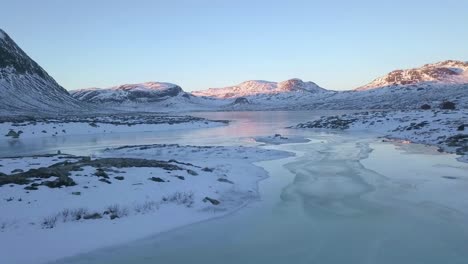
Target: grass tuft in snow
50, 221
146, 207
180, 198
116, 211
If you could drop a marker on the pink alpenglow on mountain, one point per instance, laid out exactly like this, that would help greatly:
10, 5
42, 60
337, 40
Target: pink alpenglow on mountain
251, 88
445, 72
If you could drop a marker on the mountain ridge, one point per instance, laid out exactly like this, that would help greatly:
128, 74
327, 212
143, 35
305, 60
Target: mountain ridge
146, 92
25, 86
444, 72
260, 87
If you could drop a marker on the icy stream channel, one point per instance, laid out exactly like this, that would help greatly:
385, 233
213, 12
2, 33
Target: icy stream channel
342, 199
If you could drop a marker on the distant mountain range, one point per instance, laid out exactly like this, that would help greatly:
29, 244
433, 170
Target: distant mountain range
26, 88
252, 88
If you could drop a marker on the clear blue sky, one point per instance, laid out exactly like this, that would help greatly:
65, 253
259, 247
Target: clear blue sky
200, 44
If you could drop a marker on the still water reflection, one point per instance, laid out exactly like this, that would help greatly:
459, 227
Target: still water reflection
244, 125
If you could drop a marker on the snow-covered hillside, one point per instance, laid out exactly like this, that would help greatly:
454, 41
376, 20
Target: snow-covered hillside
445, 72
149, 96
141, 92
25, 87
252, 88
394, 97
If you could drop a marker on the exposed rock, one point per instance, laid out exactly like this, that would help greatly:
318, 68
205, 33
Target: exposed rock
331, 122
156, 179
446, 71
60, 182
211, 200
105, 180
192, 172
225, 180
240, 101
101, 173
14, 134
447, 105
425, 107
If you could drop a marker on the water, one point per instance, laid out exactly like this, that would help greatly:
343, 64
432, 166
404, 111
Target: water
244, 125
342, 199
335, 203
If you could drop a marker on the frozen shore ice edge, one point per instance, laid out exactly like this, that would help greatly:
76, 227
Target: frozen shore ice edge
119, 195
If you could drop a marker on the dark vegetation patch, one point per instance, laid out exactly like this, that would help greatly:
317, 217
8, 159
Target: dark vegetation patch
180, 198
459, 142
62, 171
330, 122
113, 119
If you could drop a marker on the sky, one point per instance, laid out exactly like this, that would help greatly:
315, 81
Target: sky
202, 44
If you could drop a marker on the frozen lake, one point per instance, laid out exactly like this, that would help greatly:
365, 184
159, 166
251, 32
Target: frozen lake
243, 127
343, 199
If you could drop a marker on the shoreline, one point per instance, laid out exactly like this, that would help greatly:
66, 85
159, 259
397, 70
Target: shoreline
29, 235
76, 126
446, 130
237, 210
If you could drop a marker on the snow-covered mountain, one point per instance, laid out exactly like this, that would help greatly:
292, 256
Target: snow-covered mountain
409, 89
254, 88
292, 94
393, 97
129, 93
25, 87
156, 96
440, 73
148, 96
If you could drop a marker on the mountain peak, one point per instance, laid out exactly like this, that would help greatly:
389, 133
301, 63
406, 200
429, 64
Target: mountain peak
25, 86
14, 60
256, 87
448, 63
296, 84
444, 72
145, 86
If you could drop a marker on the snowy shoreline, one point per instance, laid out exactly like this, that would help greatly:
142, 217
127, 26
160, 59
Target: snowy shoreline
116, 199
124, 123
446, 129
